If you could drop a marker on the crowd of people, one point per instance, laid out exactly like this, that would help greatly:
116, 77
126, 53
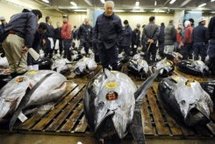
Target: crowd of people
107, 39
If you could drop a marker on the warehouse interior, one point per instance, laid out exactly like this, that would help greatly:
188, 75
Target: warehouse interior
158, 91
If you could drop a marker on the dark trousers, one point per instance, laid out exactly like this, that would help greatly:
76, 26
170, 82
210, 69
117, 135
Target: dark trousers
134, 48
161, 49
199, 50
86, 46
67, 49
126, 49
109, 57
48, 50
151, 53
187, 51
211, 65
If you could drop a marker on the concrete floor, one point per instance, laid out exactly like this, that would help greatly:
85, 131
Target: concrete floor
50, 139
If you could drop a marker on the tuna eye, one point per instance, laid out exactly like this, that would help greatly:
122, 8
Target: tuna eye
183, 102
112, 96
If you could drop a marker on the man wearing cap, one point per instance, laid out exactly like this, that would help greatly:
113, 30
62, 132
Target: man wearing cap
66, 35
21, 28
106, 33
200, 40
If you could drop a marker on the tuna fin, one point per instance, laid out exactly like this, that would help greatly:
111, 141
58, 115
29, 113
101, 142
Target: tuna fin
142, 90
107, 73
136, 128
25, 100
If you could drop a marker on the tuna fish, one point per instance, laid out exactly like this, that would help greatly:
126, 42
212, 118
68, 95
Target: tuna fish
198, 68
60, 65
34, 88
166, 66
4, 62
138, 65
185, 100
85, 65
112, 105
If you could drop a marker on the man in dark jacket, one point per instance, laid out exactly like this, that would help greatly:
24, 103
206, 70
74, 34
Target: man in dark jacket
38, 37
211, 47
170, 38
21, 28
136, 39
3, 24
107, 32
49, 48
85, 35
151, 33
161, 39
200, 40
125, 41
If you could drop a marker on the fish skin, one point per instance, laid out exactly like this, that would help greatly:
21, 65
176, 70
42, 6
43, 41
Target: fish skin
12, 93
185, 100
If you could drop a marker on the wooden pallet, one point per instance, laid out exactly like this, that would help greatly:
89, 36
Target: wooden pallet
67, 117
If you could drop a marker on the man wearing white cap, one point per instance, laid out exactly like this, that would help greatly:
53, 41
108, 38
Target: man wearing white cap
200, 40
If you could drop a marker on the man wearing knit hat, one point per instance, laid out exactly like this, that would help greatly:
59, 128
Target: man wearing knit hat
200, 40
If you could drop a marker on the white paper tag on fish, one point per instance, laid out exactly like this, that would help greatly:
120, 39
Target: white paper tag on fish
22, 117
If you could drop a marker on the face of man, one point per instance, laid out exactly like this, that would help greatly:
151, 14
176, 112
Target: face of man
58, 24
65, 19
108, 9
86, 21
203, 22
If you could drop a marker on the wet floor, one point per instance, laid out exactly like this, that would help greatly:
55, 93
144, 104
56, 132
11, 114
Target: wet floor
52, 139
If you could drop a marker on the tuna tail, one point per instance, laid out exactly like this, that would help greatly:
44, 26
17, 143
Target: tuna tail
136, 127
25, 100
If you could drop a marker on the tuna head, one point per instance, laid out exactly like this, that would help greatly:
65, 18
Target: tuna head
109, 103
12, 93
165, 66
187, 98
195, 104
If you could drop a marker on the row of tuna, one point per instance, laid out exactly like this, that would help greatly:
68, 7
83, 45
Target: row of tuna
112, 101
139, 66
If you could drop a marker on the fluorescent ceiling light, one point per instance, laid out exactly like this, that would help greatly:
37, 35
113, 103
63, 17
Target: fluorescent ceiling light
117, 10
46, 1
185, 3
155, 3
73, 3
21, 4
137, 4
102, 1
158, 11
88, 2
202, 5
137, 11
212, 0
172, 1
